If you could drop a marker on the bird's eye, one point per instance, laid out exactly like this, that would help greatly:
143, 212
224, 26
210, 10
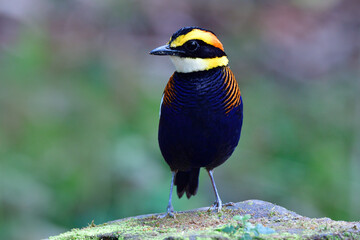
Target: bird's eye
192, 45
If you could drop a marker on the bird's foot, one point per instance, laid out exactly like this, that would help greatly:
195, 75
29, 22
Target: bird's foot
169, 212
217, 206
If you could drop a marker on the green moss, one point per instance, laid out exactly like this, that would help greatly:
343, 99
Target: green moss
203, 224
115, 230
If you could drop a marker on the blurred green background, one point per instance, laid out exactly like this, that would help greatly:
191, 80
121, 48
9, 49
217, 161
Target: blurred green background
79, 103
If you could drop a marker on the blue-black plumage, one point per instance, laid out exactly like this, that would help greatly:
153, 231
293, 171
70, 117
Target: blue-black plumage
201, 112
196, 130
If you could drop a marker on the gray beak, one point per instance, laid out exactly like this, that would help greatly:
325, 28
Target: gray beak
166, 50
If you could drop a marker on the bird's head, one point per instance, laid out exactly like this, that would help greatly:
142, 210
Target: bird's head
193, 49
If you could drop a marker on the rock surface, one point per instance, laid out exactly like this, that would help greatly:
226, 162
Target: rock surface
252, 219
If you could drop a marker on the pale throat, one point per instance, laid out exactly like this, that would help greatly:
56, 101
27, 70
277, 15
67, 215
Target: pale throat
187, 65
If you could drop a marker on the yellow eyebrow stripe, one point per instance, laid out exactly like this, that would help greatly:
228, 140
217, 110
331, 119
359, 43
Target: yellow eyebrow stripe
197, 34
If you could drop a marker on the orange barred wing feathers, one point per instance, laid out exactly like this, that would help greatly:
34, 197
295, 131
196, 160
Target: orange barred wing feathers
233, 91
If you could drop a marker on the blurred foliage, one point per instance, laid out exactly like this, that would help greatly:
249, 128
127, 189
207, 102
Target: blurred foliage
79, 102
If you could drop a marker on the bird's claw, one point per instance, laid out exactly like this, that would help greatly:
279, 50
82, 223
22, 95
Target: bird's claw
216, 206
169, 213
229, 204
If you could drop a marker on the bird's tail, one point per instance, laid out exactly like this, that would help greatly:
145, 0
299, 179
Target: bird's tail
187, 182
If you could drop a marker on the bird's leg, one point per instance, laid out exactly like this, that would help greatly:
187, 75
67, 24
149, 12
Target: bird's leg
218, 203
170, 209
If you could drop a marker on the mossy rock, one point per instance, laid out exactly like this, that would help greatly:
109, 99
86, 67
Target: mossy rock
271, 221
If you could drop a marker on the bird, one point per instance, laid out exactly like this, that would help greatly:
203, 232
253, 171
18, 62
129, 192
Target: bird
201, 111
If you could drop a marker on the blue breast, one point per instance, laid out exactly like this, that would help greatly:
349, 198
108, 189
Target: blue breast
201, 119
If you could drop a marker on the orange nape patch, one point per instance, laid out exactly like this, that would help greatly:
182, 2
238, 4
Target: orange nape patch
197, 34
